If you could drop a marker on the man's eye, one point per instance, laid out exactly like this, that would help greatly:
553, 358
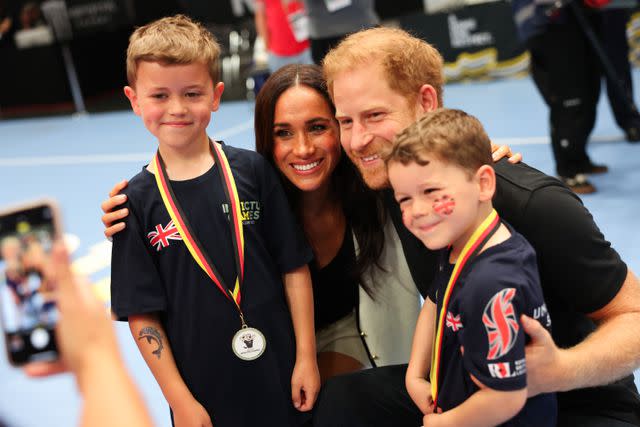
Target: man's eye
193, 94
159, 96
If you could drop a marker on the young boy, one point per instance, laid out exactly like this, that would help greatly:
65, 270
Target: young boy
468, 338
210, 240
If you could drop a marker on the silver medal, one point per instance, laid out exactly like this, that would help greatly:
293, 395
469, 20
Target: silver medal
248, 343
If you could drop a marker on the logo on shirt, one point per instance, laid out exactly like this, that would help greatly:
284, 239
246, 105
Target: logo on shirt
453, 322
541, 314
500, 320
504, 370
161, 235
250, 211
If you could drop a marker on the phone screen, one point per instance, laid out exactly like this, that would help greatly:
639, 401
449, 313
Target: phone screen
29, 314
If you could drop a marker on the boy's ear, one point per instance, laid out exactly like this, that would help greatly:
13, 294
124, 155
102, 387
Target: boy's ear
427, 98
217, 95
486, 177
130, 93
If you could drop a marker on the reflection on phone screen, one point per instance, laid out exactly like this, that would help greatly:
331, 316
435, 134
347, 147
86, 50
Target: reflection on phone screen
28, 308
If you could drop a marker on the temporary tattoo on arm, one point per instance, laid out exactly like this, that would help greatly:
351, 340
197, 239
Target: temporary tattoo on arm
152, 335
444, 205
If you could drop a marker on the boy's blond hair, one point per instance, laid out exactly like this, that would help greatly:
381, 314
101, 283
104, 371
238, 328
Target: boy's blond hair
173, 40
408, 62
451, 136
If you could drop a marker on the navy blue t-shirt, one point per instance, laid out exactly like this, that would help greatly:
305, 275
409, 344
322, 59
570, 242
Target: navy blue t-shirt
483, 316
153, 272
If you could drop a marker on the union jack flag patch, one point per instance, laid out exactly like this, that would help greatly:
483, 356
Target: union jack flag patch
453, 322
501, 323
161, 235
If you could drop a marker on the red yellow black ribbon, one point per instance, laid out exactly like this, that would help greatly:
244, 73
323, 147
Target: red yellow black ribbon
190, 239
471, 248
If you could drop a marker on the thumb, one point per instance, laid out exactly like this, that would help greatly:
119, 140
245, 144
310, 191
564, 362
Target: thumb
295, 396
533, 328
61, 269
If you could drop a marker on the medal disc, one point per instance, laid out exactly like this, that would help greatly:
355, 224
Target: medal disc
248, 343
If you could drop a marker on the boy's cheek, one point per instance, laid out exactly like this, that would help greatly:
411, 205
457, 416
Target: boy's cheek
406, 218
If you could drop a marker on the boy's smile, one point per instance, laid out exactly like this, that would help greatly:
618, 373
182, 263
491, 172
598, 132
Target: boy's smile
175, 101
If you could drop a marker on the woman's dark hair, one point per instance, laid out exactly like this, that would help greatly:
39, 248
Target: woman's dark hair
362, 206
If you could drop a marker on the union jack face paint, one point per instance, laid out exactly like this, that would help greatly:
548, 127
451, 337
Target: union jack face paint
444, 205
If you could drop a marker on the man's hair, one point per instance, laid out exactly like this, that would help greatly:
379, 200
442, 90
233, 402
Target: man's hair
173, 40
451, 136
408, 62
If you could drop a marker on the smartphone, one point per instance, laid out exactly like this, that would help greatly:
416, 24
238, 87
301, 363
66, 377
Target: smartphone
27, 304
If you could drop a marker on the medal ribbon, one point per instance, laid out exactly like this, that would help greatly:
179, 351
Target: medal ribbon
191, 241
471, 248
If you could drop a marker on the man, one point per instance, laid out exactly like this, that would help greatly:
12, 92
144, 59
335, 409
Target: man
381, 81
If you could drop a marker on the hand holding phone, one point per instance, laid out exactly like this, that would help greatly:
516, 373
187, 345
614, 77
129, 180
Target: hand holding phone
27, 298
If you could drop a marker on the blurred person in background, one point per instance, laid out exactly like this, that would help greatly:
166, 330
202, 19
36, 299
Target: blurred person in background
283, 26
331, 20
567, 73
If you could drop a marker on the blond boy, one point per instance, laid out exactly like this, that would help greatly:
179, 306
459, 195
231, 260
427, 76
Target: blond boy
211, 271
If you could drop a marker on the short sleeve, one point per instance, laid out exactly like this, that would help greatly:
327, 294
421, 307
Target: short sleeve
136, 287
572, 251
493, 338
284, 236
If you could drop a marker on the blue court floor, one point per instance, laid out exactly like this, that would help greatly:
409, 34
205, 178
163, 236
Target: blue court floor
78, 159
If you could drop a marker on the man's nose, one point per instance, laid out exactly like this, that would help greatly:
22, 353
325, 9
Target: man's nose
360, 137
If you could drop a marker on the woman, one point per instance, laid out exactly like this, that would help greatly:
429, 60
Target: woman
344, 223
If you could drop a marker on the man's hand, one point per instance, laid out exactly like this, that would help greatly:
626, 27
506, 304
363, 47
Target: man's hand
191, 414
500, 151
545, 366
305, 384
110, 216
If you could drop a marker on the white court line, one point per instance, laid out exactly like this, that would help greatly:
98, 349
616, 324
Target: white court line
107, 158
542, 140
141, 157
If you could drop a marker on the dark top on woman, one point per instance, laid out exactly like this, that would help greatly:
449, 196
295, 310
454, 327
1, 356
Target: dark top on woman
335, 289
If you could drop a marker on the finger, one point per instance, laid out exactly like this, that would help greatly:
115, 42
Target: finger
44, 369
118, 187
516, 158
477, 382
501, 152
113, 202
110, 217
295, 396
61, 268
533, 328
114, 229
309, 400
